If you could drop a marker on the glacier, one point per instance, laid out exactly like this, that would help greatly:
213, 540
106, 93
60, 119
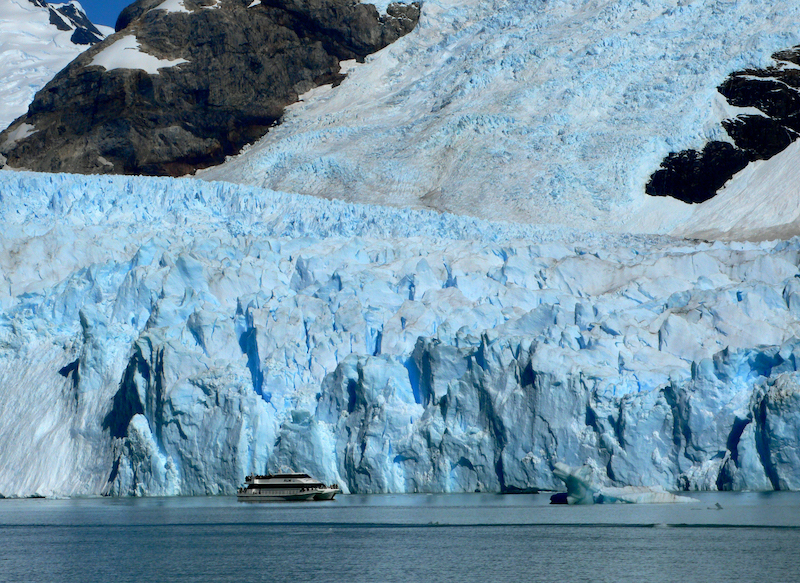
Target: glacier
545, 112
170, 336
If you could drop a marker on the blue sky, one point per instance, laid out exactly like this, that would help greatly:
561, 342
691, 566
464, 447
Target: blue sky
102, 11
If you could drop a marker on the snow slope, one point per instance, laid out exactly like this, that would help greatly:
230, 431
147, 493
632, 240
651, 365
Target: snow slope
32, 51
537, 112
761, 202
171, 336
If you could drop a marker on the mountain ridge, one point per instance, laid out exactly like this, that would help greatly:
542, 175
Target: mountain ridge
220, 73
36, 41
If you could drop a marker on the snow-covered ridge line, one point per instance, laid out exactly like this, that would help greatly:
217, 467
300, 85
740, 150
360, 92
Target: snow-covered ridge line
37, 41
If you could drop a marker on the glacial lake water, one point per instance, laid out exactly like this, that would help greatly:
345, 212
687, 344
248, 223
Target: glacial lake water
408, 538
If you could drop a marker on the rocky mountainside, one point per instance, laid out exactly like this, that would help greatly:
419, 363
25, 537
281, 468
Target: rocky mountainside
185, 83
769, 102
36, 41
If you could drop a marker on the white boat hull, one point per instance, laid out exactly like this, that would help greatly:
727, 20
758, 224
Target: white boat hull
285, 487
327, 494
266, 497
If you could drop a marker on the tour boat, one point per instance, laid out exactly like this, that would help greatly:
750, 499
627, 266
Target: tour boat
285, 487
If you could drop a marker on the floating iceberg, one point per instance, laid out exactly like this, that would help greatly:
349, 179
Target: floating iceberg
584, 488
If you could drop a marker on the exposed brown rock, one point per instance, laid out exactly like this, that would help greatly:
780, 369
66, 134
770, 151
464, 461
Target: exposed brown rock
245, 65
696, 176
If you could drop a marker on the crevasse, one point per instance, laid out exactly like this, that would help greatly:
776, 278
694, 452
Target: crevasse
171, 336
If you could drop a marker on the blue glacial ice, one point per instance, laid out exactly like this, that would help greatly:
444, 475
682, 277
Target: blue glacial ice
164, 337
553, 112
583, 487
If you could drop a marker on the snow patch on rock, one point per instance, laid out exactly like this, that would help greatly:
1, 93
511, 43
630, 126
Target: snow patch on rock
173, 6
20, 132
125, 53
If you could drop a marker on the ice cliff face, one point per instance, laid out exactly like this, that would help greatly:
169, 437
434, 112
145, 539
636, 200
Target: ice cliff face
163, 336
170, 336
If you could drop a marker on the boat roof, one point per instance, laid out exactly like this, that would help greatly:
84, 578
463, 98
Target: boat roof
290, 475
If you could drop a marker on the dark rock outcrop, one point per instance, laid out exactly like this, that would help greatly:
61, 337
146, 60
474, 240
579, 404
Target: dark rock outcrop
694, 177
244, 63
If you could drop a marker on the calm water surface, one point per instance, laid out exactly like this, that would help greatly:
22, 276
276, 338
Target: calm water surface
408, 538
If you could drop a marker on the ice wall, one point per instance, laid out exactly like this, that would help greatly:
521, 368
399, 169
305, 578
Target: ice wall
171, 336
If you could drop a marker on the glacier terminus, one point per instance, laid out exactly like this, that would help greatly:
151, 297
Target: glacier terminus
306, 301
171, 336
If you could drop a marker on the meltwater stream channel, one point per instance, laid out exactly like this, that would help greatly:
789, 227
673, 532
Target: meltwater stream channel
384, 538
